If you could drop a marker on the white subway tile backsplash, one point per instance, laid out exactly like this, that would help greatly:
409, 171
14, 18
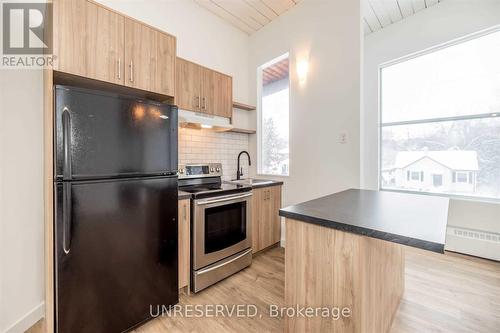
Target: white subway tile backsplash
200, 146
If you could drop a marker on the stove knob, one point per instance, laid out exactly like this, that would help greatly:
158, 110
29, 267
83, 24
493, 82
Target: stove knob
217, 169
211, 169
181, 171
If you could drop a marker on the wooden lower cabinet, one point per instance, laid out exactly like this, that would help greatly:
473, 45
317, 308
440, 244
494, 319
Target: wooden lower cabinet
184, 243
266, 222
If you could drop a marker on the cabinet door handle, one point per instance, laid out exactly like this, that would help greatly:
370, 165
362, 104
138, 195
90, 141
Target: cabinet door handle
119, 68
185, 213
204, 104
131, 71
197, 100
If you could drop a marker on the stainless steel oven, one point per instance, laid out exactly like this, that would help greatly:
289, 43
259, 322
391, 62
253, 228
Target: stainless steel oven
221, 237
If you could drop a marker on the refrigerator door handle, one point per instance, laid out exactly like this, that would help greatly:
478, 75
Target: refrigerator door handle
66, 122
66, 215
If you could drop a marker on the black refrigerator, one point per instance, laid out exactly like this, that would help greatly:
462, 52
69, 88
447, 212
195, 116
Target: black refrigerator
115, 227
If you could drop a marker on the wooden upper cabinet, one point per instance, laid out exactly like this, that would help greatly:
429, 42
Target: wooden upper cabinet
93, 41
201, 89
105, 49
70, 19
223, 99
165, 65
140, 55
208, 90
188, 87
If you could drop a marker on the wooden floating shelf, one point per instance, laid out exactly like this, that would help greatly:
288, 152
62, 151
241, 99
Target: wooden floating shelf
242, 130
243, 106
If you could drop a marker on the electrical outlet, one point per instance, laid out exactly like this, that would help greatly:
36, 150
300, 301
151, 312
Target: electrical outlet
343, 137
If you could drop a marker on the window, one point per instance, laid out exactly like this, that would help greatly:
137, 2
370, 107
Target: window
440, 113
274, 114
415, 175
437, 180
461, 177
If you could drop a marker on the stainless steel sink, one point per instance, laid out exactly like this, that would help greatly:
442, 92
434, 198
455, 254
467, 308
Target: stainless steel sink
251, 181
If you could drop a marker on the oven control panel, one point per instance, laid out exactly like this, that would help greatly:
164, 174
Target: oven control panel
200, 170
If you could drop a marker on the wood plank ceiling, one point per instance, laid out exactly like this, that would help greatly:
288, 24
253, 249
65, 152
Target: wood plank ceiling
381, 13
248, 15
251, 15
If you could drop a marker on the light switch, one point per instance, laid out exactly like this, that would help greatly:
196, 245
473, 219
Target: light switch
343, 137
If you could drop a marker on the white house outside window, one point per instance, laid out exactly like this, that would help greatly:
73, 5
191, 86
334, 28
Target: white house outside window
440, 116
274, 117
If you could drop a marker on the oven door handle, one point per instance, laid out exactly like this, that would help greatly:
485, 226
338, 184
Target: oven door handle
209, 269
225, 198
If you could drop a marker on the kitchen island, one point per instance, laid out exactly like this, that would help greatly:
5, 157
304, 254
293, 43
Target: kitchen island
345, 251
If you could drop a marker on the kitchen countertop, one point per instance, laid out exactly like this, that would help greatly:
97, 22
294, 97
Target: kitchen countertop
184, 195
269, 182
410, 219
273, 183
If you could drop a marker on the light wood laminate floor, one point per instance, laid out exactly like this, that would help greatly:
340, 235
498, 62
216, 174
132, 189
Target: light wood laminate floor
444, 293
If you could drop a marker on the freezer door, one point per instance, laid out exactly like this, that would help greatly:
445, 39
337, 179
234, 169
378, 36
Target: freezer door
116, 253
102, 135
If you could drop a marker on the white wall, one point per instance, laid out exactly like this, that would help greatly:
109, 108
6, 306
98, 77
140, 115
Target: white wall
434, 26
21, 199
328, 33
201, 36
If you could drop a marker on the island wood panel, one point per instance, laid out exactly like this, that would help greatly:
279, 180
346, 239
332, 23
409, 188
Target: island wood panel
70, 19
184, 243
140, 55
165, 66
188, 88
332, 268
105, 44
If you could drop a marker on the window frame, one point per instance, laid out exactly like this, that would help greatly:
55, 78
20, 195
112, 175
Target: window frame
283, 55
381, 125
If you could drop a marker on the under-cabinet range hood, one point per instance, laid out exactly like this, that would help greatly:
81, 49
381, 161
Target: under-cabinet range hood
198, 120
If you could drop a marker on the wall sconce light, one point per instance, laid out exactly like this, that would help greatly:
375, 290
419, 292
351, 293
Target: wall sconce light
302, 69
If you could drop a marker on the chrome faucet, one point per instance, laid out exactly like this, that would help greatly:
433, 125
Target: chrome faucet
239, 171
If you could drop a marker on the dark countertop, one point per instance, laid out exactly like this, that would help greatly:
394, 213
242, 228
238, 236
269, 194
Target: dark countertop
410, 219
184, 195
